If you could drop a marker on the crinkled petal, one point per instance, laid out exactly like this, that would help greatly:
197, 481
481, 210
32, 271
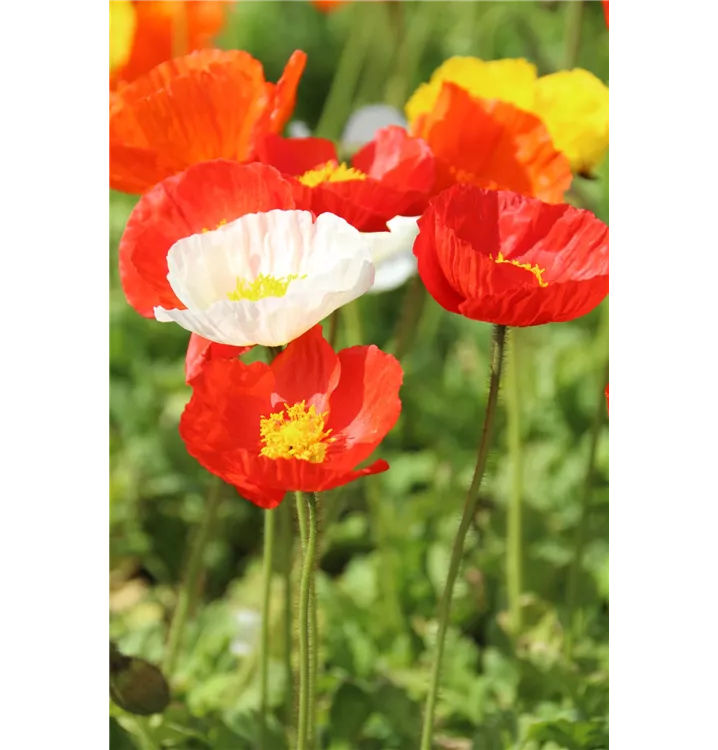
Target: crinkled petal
200, 351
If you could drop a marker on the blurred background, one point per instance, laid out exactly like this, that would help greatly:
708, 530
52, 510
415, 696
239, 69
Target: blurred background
386, 540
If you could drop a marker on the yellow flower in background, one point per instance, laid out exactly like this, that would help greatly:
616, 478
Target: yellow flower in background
123, 22
573, 104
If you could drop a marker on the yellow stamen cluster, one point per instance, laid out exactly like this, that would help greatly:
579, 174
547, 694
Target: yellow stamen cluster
263, 286
535, 270
221, 224
296, 432
331, 172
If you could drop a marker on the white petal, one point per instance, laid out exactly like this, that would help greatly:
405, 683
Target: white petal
394, 272
393, 254
331, 259
363, 124
298, 129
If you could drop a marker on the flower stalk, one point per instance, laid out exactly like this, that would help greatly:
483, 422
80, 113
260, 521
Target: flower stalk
497, 356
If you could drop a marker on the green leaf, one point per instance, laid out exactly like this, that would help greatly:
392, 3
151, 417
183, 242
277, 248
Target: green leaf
350, 709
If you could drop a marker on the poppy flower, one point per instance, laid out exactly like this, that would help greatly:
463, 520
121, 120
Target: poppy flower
203, 197
492, 144
390, 176
605, 10
606, 383
511, 260
200, 351
147, 33
328, 6
211, 104
573, 104
304, 422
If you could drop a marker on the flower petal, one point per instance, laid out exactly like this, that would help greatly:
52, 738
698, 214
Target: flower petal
202, 197
366, 122
200, 351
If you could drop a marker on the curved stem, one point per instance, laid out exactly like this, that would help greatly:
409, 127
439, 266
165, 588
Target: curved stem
497, 354
268, 554
189, 585
579, 543
514, 531
574, 19
305, 661
346, 77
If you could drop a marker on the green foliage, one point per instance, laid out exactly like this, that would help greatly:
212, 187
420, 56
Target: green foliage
385, 540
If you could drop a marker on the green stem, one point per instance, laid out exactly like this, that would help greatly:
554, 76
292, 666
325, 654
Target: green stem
579, 544
341, 92
497, 354
287, 546
140, 730
334, 327
410, 317
305, 596
514, 532
268, 555
574, 19
353, 328
189, 585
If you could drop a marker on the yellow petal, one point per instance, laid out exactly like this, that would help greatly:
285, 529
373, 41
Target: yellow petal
512, 81
574, 106
122, 32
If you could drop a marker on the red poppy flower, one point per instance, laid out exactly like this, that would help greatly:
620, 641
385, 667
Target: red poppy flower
305, 422
605, 10
328, 6
211, 104
201, 350
492, 144
163, 30
511, 260
204, 196
390, 176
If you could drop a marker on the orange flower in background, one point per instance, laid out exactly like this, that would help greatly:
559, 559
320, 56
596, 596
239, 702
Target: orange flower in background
605, 13
492, 144
211, 104
201, 350
390, 176
606, 383
203, 197
160, 31
510, 260
305, 422
328, 6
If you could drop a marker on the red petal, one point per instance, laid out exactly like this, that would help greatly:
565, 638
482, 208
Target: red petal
201, 350
202, 197
365, 405
285, 92
295, 156
605, 10
464, 230
307, 370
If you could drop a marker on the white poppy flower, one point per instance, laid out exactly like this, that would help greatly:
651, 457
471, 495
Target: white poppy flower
266, 278
362, 125
393, 253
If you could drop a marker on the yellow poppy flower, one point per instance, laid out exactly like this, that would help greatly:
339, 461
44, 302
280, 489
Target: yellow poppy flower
572, 104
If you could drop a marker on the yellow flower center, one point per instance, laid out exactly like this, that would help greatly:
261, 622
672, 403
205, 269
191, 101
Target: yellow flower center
297, 432
221, 224
331, 172
263, 286
535, 270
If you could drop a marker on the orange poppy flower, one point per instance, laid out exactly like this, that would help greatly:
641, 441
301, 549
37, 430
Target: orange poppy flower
605, 10
211, 104
163, 30
305, 422
328, 6
204, 196
511, 260
390, 176
606, 383
492, 144
201, 350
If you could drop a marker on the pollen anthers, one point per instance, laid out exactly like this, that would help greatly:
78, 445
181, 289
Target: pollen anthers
296, 432
331, 172
263, 286
221, 224
535, 270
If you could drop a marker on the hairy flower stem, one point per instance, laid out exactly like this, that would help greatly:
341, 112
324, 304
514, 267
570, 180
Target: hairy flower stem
306, 663
287, 558
497, 356
267, 560
188, 588
514, 531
